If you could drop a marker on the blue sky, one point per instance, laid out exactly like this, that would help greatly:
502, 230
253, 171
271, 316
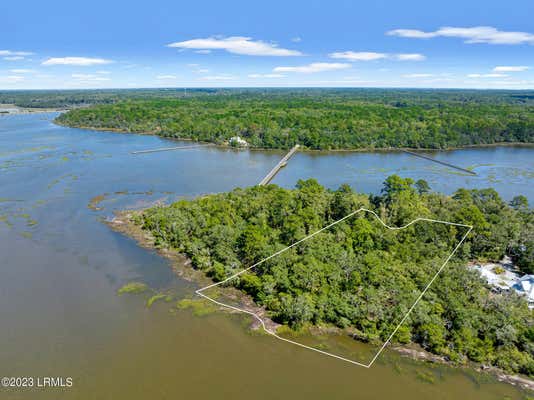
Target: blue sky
115, 44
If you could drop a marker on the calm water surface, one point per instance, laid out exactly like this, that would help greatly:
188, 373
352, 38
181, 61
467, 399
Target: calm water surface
61, 267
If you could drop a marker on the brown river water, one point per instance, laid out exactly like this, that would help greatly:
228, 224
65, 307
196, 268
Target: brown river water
61, 268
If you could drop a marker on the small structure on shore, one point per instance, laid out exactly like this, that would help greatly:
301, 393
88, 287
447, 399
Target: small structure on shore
238, 141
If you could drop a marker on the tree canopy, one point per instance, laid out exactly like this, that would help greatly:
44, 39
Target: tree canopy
359, 275
321, 119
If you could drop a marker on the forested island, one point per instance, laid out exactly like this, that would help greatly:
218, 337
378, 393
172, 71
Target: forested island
319, 119
359, 276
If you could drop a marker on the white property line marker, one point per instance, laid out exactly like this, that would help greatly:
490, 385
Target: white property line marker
199, 291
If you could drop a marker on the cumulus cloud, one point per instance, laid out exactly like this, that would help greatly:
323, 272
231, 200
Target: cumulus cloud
21, 71
358, 56
78, 61
511, 82
266, 76
487, 75
11, 79
476, 34
418, 76
409, 57
218, 78
15, 53
89, 78
411, 33
236, 45
166, 77
313, 67
372, 56
516, 68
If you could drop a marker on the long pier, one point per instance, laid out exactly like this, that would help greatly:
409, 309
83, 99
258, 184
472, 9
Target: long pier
169, 149
439, 162
282, 163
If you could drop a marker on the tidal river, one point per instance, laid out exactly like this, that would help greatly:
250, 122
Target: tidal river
61, 268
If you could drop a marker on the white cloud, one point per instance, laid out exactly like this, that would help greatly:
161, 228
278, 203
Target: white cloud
15, 53
487, 75
296, 39
218, 78
338, 83
236, 45
411, 33
166, 77
21, 71
511, 82
11, 79
313, 67
418, 76
103, 72
79, 61
14, 58
409, 57
266, 76
372, 56
517, 68
358, 56
197, 69
89, 78
203, 51
476, 34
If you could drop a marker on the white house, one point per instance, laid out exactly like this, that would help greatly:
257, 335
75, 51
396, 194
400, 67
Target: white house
525, 286
503, 277
238, 141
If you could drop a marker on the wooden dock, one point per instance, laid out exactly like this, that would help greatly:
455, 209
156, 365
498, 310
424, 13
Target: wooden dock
439, 162
168, 149
281, 164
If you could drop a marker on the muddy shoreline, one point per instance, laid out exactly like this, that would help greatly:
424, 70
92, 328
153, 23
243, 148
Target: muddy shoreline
181, 265
122, 222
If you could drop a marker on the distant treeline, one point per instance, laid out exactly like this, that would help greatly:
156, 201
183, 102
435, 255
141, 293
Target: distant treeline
81, 98
321, 118
361, 276
394, 97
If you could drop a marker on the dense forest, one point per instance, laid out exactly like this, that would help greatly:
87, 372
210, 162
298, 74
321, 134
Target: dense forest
323, 119
82, 98
360, 276
394, 97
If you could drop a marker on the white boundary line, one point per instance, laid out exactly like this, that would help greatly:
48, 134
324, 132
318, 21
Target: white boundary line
199, 291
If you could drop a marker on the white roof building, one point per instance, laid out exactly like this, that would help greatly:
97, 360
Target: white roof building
239, 141
525, 286
504, 277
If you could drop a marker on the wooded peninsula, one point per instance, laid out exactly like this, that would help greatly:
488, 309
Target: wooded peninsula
322, 119
359, 276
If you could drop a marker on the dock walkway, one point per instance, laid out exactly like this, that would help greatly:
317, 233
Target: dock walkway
282, 163
439, 162
169, 149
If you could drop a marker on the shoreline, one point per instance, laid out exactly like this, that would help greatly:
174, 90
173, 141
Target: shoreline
307, 150
180, 264
123, 224
28, 110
